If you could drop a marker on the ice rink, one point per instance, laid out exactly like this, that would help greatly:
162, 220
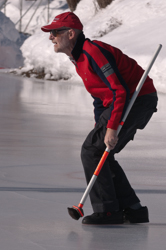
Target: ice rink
42, 127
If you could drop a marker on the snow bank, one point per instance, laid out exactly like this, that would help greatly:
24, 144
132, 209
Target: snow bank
10, 53
40, 56
135, 28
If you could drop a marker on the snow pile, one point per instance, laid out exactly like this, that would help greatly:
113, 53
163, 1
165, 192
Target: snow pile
40, 55
10, 53
135, 28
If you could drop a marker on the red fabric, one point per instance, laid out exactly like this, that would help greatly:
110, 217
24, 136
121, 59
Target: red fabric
110, 89
67, 19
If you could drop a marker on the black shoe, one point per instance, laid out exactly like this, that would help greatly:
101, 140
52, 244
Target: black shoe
104, 218
136, 216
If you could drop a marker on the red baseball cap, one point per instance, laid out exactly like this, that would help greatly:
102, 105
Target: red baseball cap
67, 19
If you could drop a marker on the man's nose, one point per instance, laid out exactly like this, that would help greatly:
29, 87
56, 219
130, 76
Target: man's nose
51, 36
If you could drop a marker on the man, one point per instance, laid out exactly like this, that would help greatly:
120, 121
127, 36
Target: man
111, 78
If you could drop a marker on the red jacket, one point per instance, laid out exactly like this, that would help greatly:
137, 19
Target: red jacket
109, 76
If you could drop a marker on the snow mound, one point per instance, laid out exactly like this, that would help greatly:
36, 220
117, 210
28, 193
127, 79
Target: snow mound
136, 29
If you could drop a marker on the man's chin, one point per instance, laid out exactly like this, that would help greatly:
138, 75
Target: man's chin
56, 50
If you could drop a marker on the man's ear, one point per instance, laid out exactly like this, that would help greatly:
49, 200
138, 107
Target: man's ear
71, 33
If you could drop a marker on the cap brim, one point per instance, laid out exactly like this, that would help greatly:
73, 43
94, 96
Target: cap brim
50, 27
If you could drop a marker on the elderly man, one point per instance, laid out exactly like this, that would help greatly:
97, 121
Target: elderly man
111, 78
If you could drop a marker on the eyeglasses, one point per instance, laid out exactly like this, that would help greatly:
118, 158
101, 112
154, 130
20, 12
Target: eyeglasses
55, 32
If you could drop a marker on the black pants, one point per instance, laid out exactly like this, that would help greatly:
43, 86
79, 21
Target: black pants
112, 190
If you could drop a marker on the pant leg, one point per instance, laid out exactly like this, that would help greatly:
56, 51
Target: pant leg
102, 196
108, 193
138, 118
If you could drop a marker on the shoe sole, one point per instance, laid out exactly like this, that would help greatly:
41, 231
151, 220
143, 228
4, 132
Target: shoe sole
137, 220
106, 223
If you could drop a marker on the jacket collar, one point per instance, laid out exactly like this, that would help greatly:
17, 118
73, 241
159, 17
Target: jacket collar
78, 46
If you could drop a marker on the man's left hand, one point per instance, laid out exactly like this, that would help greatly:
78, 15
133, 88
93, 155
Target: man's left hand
111, 138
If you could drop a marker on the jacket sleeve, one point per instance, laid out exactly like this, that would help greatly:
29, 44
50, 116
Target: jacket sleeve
104, 65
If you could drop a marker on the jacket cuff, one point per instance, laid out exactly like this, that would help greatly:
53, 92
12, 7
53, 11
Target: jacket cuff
113, 125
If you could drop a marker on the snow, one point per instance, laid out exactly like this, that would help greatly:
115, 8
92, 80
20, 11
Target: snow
135, 28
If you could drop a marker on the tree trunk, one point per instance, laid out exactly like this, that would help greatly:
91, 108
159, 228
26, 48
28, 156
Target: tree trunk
103, 3
72, 4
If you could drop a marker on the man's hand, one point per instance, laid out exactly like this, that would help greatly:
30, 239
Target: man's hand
111, 138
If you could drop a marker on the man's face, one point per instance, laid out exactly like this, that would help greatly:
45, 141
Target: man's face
60, 39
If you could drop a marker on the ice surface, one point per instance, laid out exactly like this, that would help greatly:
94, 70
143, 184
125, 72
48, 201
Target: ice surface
42, 127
